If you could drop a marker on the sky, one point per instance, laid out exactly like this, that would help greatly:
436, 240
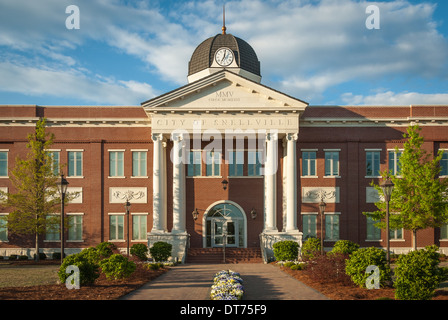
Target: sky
124, 52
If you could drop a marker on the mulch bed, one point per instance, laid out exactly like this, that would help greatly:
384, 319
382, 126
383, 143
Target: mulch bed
103, 289
338, 291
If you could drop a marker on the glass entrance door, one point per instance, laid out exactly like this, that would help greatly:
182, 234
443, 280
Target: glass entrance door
224, 232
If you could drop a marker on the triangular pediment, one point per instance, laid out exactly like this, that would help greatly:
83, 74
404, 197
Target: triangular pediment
224, 91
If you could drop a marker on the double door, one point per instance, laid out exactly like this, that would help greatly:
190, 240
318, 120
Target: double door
224, 232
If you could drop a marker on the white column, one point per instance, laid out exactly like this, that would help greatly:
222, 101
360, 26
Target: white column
291, 183
159, 199
270, 174
178, 184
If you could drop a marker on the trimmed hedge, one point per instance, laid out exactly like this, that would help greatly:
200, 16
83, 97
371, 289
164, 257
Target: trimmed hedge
286, 250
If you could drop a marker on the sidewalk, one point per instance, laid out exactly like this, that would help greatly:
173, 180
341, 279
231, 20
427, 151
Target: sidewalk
193, 282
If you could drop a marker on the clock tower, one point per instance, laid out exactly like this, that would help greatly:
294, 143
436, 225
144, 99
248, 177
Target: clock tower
224, 51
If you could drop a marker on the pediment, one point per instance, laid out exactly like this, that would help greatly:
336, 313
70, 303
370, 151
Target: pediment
224, 91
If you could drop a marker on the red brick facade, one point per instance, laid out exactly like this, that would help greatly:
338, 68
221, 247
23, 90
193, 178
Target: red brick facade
97, 130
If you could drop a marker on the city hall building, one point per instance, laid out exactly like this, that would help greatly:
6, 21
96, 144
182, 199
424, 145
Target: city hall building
221, 161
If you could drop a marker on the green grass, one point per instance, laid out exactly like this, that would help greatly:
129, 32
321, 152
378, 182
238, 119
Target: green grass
24, 276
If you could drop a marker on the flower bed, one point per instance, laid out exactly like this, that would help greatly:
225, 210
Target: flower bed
227, 285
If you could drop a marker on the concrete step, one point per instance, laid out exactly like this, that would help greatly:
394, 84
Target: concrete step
216, 255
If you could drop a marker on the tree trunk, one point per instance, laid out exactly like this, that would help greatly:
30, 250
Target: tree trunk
414, 240
37, 247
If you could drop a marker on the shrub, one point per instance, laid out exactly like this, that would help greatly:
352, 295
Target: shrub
154, 266
287, 250
161, 251
23, 257
57, 255
117, 266
42, 256
92, 254
297, 266
89, 271
344, 247
106, 249
12, 257
418, 274
140, 251
310, 248
359, 260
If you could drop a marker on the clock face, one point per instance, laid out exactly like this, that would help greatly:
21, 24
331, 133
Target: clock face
224, 57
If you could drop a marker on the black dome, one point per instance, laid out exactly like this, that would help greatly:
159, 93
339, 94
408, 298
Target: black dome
203, 56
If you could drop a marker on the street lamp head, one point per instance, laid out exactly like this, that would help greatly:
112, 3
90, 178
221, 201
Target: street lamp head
224, 184
62, 185
127, 205
253, 213
322, 206
388, 187
195, 214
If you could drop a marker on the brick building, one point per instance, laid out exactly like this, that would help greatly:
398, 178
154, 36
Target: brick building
223, 159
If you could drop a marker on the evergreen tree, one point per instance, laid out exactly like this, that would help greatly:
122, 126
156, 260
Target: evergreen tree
418, 199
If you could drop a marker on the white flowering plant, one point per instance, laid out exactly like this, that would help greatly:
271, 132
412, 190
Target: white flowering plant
227, 285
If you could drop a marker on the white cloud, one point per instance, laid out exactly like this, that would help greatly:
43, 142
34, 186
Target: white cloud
392, 98
305, 47
71, 83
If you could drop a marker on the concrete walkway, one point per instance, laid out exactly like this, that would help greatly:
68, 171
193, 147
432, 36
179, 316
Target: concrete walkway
193, 282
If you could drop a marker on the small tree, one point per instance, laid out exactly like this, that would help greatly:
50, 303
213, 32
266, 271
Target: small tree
418, 200
35, 195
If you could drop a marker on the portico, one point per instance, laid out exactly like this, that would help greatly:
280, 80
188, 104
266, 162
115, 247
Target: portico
255, 119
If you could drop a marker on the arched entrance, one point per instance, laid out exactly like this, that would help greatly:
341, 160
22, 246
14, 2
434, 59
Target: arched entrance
224, 223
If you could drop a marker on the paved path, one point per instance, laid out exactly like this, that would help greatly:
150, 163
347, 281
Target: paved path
193, 282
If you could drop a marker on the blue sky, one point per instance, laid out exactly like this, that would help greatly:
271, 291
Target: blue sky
126, 52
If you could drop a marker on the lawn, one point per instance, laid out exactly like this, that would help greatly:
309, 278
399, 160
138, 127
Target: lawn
27, 275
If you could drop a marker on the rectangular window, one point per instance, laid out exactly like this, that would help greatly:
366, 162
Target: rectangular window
3, 163
52, 228
309, 226
331, 163
373, 163
75, 227
236, 163
394, 162
254, 163
3, 227
396, 234
308, 163
373, 232
443, 164
75, 163
444, 231
139, 227
116, 163
55, 160
332, 227
213, 161
139, 164
116, 227
194, 164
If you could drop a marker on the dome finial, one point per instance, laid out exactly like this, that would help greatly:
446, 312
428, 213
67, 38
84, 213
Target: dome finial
224, 19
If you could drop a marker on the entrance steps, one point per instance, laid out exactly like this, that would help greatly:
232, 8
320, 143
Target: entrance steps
216, 255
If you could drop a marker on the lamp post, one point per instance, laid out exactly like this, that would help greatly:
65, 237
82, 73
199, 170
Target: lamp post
388, 187
127, 206
62, 188
322, 206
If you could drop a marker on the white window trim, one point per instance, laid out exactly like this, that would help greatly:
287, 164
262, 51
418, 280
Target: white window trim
5, 241
132, 173
7, 163
116, 164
